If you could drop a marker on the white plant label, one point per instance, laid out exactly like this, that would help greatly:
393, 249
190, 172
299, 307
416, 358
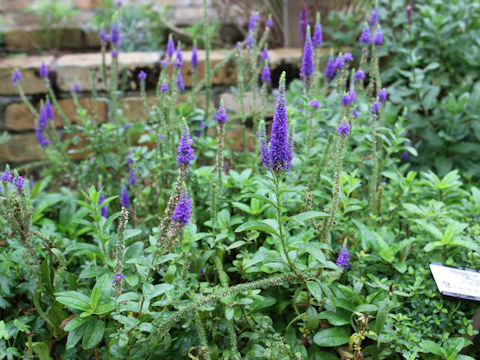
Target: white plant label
456, 282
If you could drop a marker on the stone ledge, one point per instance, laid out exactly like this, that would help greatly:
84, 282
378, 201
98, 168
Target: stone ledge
21, 148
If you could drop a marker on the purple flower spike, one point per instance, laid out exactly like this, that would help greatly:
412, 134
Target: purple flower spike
76, 88
249, 41
43, 70
163, 62
307, 60
142, 75
164, 88
343, 259
42, 141
269, 23
194, 59
346, 99
7, 176
280, 152
127, 127
314, 104
170, 46
359, 75
348, 57
131, 178
374, 17
42, 118
382, 95
343, 128
124, 198
318, 36
377, 37
114, 53
179, 60
266, 76
181, 215
48, 109
375, 107
339, 62
355, 113
180, 84
184, 149
303, 23
330, 68
16, 77
104, 37
118, 3
202, 271
19, 182
254, 18
117, 278
115, 35
104, 209
365, 36
221, 115
264, 55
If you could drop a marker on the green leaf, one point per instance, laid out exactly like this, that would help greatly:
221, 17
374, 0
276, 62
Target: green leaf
151, 291
93, 334
314, 249
104, 308
129, 233
334, 336
338, 318
309, 215
73, 299
432, 347
365, 308
74, 323
315, 289
257, 225
259, 197
42, 350
74, 336
4, 334
382, 314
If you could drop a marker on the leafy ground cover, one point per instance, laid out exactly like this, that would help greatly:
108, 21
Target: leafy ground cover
313, 244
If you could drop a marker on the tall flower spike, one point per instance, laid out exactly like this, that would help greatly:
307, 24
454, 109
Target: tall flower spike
49, 109
307, 60
170, 46
42, 118
221, 115
254, 18
131, 177
264, 55
42, 141
382, 95
269, 22
303, 23
359, 75
365, 36
374, 18
179, 59
266, 76
330, 68
194, 58
104, 37
180, 84
7, 175
375, 107
339, 62
104, 209
377, 37
343, 128
43, 70
280, 152
184, 150
124, 198
16, 77
115, 35
142, 75
409, 14
181, 215
343, 258
318, 33
19, 182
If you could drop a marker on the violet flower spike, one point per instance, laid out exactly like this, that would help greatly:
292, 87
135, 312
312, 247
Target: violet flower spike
221, 115
164, 88
184, 149
343, 128
115, 35
170, 46
359, 75
254, 18
330, 68
114, 53
317, 36
374, 18
346, 99
117, 278
194, 59
382, 95
142, 75
104, 209
104, 37
7, 176
303, 23
377, 37
365, 36
409, 14
181, 215
280, 152
42, 141
179, 60
339, 63
269, 22
343, 258
131, 176
249, 41
265, 77
180, 84
124, 198
76, 88
19, 182
348, 57
314, 104
49, 109
43, 70
264, 55
307, 59
42, 118
16, 77
375, 107
355, 113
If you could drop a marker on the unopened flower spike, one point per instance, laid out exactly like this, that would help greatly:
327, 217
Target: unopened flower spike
194, 58
266, 75
303, 23
317, 33
365, 36
124, 197
16, 77
378, 36
269, 22
330, 68
307, 59
43, 70
179, 56
170, 46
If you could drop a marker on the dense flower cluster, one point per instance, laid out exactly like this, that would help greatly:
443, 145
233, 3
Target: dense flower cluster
303, 23
266, 76
317, 35
307, 59
43, 70
104, 209
343, 128
221, 115
343, 258
365, 36
330, 68
185, 150
16, 77
181, 215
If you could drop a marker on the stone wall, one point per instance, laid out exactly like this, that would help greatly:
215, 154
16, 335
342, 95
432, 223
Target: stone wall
64, 71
